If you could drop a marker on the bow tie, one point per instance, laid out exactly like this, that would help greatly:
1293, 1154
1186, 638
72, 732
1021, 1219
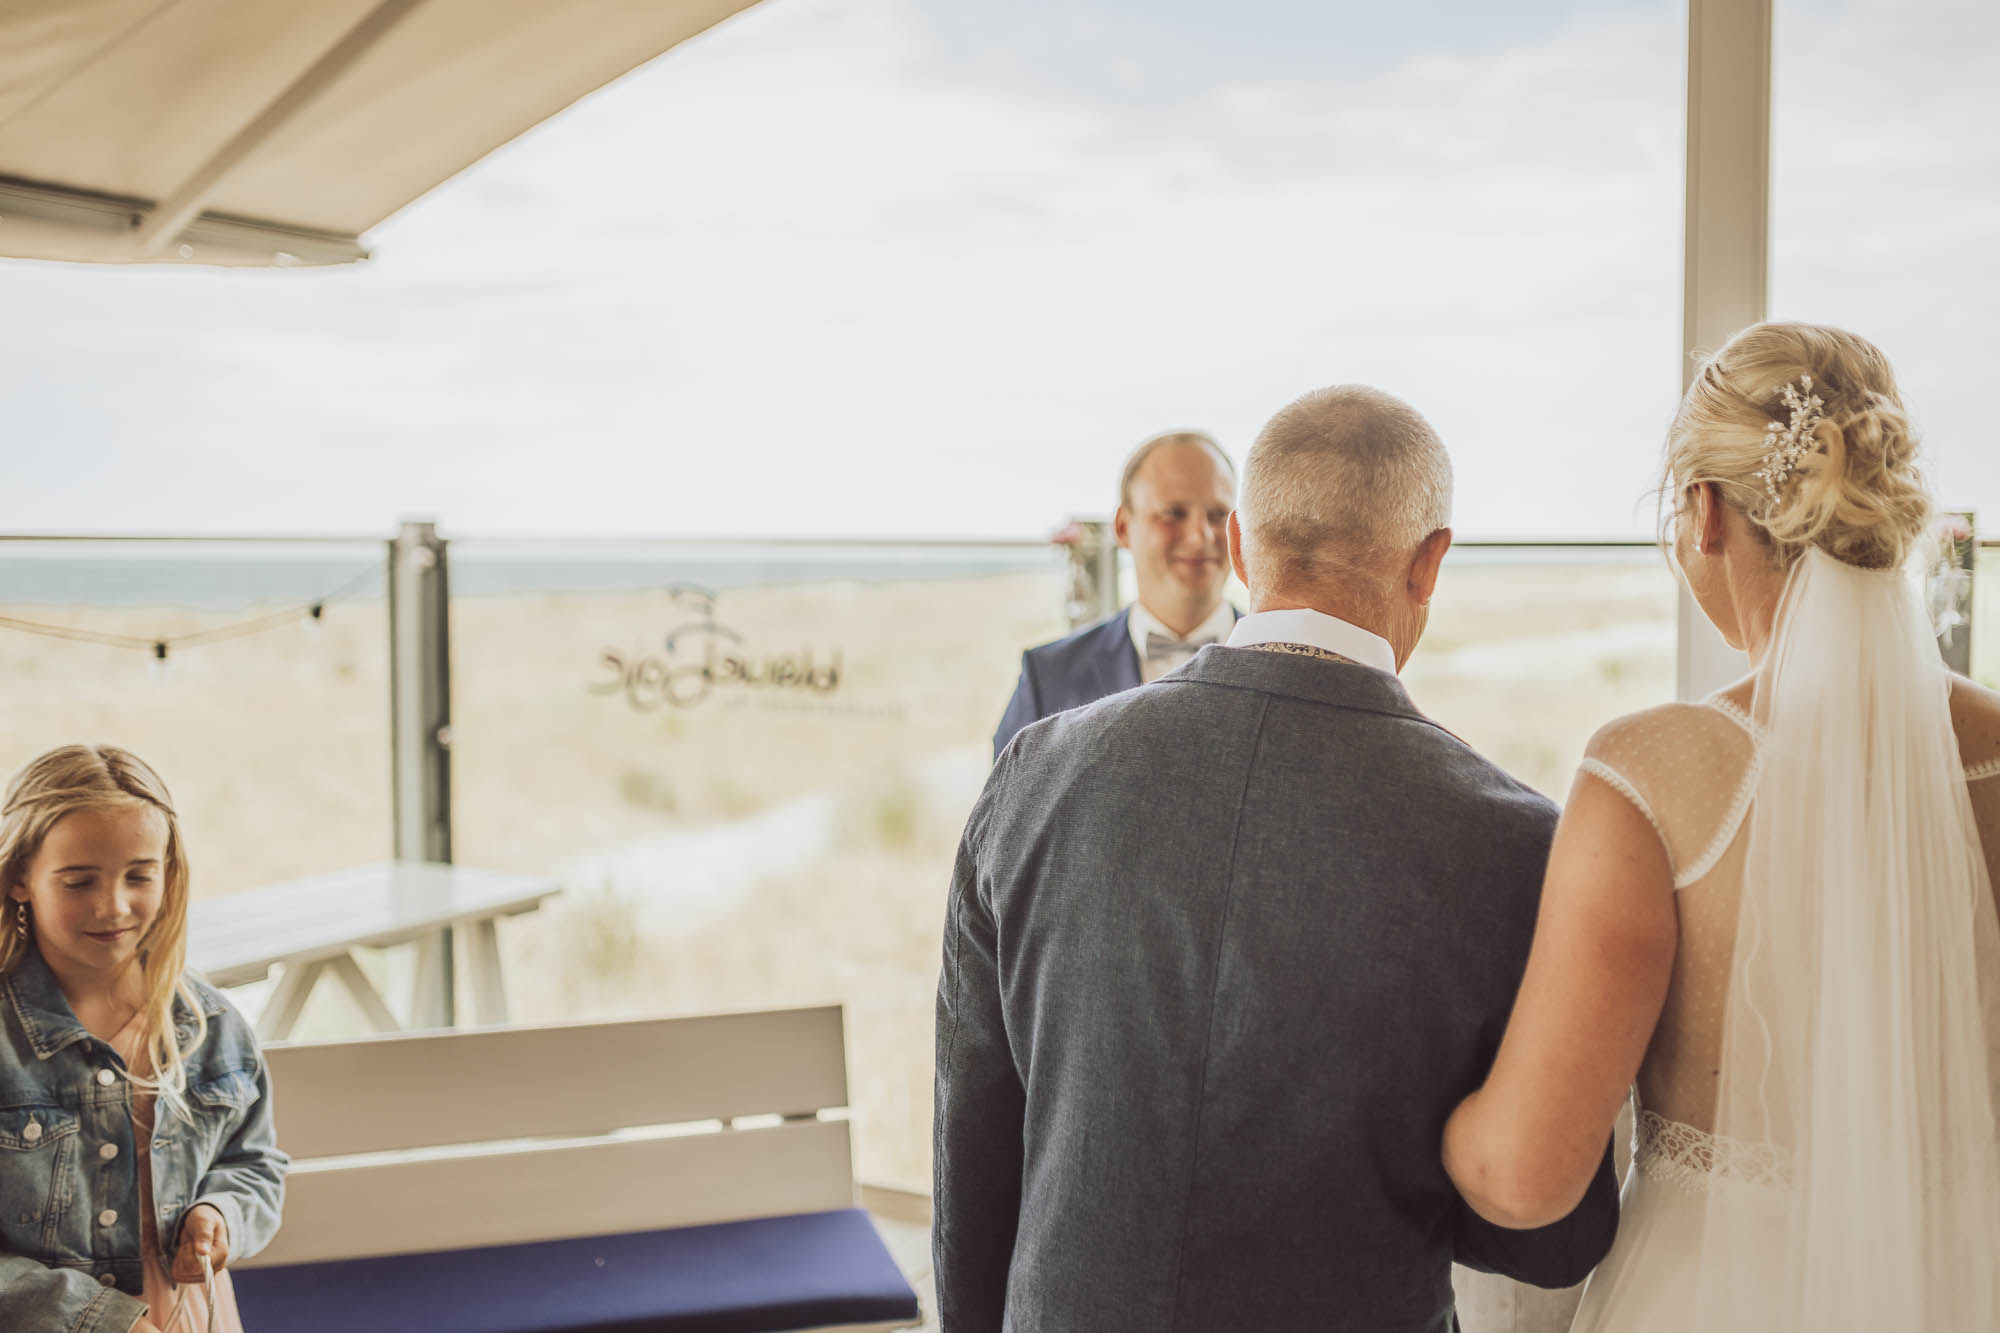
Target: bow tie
1162, 648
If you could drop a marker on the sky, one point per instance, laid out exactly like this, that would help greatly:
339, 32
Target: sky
932, 267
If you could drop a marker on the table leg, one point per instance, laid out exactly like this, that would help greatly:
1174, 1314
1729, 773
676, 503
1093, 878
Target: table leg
288, 1000
351, 976
489, 991
427, 987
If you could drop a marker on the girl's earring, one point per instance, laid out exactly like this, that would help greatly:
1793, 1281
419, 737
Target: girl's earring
21, 920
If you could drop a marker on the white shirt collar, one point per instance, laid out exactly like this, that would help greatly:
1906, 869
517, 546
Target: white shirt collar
1143, 622
1318, 630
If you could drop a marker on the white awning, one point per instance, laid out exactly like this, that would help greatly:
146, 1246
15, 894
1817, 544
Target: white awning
277, 132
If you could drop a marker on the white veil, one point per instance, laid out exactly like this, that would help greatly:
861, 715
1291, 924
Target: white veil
1857, 1177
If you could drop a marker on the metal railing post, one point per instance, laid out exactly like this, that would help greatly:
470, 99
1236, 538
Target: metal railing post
1950, 587
1109, 598
420, 737
1093, 571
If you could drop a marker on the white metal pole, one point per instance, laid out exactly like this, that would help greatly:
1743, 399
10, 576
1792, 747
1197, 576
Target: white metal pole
420, 738
1727, 274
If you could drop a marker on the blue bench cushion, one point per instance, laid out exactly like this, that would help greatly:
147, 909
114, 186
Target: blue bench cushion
759, 1276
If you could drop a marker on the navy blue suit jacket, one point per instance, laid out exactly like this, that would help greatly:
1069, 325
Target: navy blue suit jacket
1075, 670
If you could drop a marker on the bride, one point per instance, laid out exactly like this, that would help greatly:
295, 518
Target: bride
1771, 915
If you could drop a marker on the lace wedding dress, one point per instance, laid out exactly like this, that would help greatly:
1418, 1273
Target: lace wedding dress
1814, 1141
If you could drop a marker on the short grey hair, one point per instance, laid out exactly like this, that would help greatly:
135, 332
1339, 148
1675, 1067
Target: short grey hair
1343, 481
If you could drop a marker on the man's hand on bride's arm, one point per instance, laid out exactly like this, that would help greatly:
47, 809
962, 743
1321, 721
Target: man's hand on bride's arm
1523, 1149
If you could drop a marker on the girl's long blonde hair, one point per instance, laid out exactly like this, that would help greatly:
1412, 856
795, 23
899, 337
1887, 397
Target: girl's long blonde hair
99, 777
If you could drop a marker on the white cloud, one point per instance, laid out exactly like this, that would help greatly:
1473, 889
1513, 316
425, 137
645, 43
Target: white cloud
1886, 206
804, 275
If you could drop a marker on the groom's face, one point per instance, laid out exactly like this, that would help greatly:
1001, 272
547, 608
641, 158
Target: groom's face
1177, 529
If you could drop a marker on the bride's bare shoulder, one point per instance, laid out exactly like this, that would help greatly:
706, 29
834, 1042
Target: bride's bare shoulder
1975, 716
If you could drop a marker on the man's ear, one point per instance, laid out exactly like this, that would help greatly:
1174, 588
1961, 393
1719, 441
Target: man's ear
1424, 565
1236, 550
1121, 525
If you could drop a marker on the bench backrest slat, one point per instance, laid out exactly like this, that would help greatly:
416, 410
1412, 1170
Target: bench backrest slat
599, 1188
429, 1090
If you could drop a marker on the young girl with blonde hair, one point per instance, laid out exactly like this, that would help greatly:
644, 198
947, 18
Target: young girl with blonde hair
136, 1140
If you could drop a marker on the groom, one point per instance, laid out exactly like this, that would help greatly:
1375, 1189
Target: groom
1221, 952
1173, 511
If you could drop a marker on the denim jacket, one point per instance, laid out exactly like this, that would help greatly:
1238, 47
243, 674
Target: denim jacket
69, 1197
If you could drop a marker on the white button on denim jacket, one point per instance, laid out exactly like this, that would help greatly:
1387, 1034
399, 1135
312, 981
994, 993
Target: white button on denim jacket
69, 1197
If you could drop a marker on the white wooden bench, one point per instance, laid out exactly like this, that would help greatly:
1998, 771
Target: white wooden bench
671, 1174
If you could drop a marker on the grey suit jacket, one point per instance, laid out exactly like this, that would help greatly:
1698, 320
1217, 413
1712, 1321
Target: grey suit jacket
1221, 954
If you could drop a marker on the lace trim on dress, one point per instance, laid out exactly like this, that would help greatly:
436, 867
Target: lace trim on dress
1980, 772
1692, 1158
1597, 768
1730, 709
1731, 824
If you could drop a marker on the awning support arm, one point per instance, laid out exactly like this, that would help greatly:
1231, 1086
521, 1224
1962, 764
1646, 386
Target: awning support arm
166, 220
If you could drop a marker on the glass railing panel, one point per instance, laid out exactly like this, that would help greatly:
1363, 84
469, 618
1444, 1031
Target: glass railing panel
749, 766
270, 726
1531, 648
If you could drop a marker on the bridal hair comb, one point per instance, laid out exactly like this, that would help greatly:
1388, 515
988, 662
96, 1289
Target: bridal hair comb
1785, 443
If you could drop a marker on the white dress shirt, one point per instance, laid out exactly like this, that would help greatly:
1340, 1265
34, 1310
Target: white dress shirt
1143, 622
1315, 629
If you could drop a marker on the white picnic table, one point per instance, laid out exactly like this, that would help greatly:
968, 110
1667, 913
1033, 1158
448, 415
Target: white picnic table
311, 928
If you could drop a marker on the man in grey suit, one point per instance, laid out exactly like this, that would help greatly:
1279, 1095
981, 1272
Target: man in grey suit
1222, 952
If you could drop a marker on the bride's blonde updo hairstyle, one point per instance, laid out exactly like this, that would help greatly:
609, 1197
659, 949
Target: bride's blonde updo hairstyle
1855, 494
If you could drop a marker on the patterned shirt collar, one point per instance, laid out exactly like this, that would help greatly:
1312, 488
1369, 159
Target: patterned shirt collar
1315, 629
